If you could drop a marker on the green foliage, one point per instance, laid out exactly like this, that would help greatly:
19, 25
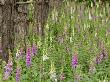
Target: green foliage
74, 28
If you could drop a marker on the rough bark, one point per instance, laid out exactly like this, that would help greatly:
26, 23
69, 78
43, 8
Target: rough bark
42, 9
0, 29
41, 14
7, 28
15, 21
21, 25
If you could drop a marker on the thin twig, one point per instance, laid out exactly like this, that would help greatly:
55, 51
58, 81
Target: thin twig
27, 2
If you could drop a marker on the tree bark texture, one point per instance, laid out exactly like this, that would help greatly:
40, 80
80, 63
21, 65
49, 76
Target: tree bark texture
0, 29
14, 23
7, 27
41, 14
42, 9
21, 25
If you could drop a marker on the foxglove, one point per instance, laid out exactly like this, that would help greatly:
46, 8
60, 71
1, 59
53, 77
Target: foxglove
28, 57
17, 54
98, 60
8, 69
53, 76
21, 51
77, 78
18, 72
103, 55
92, 68
34, 51
62, 76
74, 61
45, 57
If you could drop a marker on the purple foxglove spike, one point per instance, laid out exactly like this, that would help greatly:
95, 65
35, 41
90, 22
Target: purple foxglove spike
105, 55
98, 60
74, 61
101, 56
28, 57
34, 50
18, 72
21, 51
8, 69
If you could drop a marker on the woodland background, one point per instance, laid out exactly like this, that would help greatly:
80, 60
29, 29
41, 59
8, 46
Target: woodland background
62, 32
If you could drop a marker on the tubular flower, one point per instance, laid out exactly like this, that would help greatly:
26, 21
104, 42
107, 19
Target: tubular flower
98, 60
17, 54
45, 57
34, 50
8, 69
77, 77
74, 61
62, 76
53, 76
103, 55
92, 68
21, 51
28, 57
18, 72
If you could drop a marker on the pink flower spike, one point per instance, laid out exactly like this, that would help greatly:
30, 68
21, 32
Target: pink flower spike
28, 57
18, 72
74, 61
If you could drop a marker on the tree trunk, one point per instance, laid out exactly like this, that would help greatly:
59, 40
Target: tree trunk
7, 28
41, 14
0, 30
21, 25
42, 9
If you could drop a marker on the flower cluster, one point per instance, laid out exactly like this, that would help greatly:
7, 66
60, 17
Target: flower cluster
77, 77
53, 76
18, 54
30, 53
28, 57
8, 68
18, 72
101, 57
34, 50
62, 76
74, 61
21, 51
45, 57
92, 68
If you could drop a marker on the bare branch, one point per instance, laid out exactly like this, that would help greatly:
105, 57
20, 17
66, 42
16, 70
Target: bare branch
27, 2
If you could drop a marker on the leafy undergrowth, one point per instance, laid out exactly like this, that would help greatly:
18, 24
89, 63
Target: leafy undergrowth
75, 48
